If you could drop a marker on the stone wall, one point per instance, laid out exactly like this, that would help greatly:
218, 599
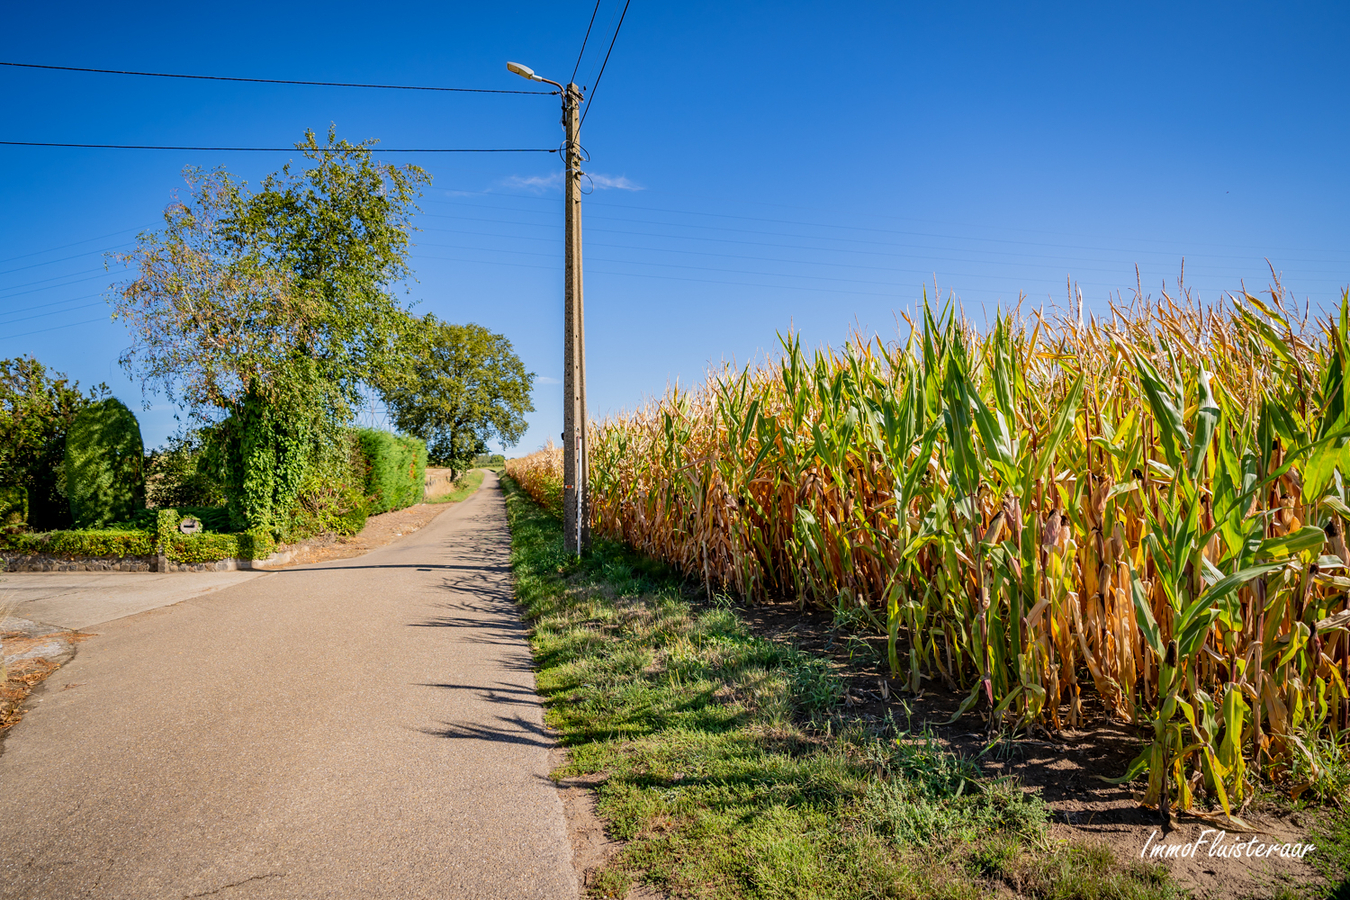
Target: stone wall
42, 562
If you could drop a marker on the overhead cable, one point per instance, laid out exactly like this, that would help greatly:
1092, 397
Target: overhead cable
385, 87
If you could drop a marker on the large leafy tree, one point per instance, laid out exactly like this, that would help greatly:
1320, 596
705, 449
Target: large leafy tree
284, 292
263, 311
37, 407
457, 387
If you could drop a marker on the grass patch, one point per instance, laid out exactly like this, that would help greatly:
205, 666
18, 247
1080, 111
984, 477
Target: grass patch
727, 771
464, 487
1331, 835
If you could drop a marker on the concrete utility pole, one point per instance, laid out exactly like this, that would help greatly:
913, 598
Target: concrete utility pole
576, 471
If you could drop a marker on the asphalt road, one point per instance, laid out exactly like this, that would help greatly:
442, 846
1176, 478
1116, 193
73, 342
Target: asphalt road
85, 599
366, 728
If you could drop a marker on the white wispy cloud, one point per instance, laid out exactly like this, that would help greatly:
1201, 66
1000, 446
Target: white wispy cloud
621, 183
552, 182
537, 183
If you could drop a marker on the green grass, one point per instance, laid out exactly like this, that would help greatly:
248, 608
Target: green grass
468, 483
1332, 857
728, 772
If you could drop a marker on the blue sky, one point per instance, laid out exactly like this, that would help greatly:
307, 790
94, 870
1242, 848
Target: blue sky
759, 167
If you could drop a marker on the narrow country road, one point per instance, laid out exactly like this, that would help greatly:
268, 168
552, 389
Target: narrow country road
366, 728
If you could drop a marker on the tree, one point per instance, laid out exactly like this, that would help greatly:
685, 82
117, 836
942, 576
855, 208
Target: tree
286, 287
105, 465
457, 387
37, 407
263, 312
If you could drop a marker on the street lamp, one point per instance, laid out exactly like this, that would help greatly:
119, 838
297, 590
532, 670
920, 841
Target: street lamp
576, 475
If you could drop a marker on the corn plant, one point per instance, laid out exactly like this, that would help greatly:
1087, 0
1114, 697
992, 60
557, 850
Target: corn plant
1142, 516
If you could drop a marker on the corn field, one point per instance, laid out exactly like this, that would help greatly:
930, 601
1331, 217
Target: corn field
1144, 513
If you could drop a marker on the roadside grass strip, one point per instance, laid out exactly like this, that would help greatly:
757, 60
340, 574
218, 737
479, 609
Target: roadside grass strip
726, 770
463, 489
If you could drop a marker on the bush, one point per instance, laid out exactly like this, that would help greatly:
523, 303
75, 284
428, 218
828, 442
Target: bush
105, 476
332, 497
396, 469
13, 506
37, 407
113, 543
179, 475
203, 548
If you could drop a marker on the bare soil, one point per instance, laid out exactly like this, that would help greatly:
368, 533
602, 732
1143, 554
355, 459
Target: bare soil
29, 653
1062, 767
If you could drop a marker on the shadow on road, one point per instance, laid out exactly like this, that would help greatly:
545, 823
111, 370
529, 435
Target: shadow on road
514, 730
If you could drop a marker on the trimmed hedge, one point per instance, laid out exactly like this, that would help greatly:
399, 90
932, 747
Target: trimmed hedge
201, 548
82, 543
396, 469
179, 548
13, 506
204, 547
105, 461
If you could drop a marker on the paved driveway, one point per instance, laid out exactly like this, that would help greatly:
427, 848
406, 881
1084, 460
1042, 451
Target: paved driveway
366, 728
84, 599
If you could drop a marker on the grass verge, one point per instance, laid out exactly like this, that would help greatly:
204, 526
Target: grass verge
728, 772
468, 483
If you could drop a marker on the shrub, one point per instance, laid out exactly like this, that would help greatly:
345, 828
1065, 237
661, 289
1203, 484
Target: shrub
104, 464
13, 506
37, 406
179, 475
206, 547
332, 497
396, 469
112, 543
203, 548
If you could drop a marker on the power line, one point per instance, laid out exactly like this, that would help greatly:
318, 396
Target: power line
924, 219
55, 312
53, 278
890, 245
53, 328
52, 262
49, 287
595, 87
386, 87
73, 244
584, 40
277, 149
50, 303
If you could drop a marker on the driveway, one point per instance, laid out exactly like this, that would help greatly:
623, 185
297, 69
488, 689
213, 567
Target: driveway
366, 728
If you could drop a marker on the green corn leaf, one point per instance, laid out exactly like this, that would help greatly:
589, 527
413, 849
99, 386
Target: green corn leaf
1206, 420
1148, 626
1059, 428
1309, 537
1171, 427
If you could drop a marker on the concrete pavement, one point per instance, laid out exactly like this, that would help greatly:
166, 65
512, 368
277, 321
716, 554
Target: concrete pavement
366, 728
83, 599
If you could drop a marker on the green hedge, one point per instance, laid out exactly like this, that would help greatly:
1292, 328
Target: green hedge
201, 548
206, 547
13, 506
180, 548
105, 460
82, 543
396, 469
